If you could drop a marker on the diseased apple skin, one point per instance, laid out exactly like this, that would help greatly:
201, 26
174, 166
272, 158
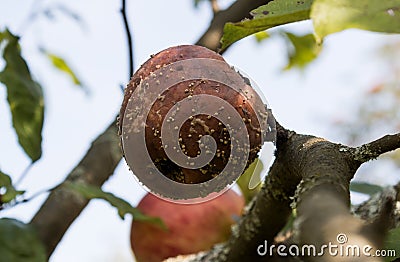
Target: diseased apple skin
165, 57
191, 228
199, 125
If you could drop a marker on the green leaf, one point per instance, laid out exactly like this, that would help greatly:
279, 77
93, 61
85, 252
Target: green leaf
273, 14
365, 188
123, 207
24, 96
250, 181
330, 16
304, 50
19, 242
392, 243
63, 66
10, 193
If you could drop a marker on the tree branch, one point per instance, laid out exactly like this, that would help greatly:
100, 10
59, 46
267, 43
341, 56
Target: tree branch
214, 6
271, 209
63, 205
323, 199
374, 149
238, 11
322, 171
374, 208
323, 207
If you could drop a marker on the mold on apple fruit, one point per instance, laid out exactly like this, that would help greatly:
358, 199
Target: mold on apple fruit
208, 106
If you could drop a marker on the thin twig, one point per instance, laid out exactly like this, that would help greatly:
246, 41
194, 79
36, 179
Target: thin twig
121, 86
129, 37
26, 200
35, 195
24, 174
33, 14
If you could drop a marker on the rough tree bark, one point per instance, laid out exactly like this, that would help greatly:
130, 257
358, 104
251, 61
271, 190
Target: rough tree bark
317, 174
310, 172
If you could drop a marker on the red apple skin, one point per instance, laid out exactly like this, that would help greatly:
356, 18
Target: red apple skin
191, 228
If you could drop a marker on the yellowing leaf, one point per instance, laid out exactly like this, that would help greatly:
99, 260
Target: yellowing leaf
24, 96
330, 16
261, 36
273, 14
60, 64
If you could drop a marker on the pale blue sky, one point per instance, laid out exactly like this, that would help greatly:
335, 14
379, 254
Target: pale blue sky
305, 102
